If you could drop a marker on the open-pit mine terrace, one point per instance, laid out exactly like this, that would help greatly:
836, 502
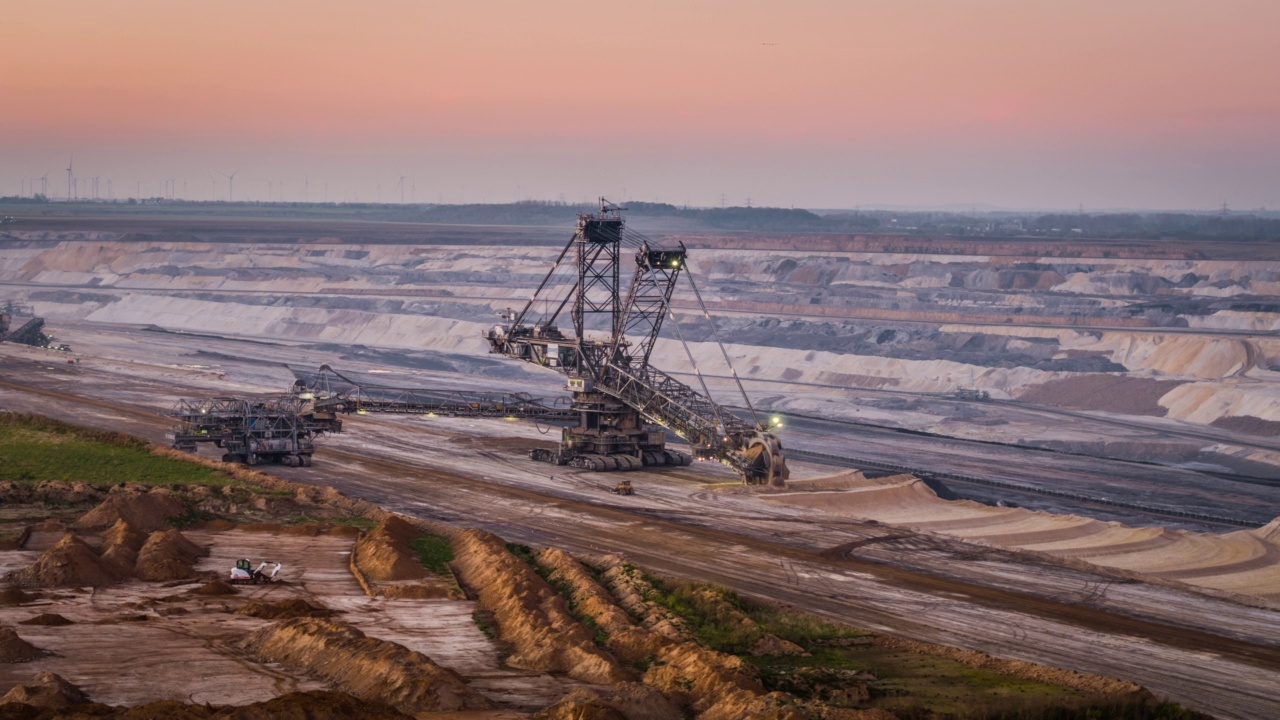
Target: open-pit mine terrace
1126, 383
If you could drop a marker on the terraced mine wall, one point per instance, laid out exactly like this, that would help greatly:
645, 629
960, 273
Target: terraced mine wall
1185, 332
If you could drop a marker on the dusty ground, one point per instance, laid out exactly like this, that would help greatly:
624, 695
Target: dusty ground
865, 328
836, 335
68, 637
136, 642
1246, 562
918, 586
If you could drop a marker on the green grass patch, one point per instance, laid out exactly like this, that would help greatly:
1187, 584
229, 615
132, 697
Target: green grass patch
524, 552
484, 621
37, 449
435, 552
909, 685
190, 517
356, 521
717, 624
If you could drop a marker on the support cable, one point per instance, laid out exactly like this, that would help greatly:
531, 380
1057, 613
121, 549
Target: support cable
543, 284
725, 353
721, 428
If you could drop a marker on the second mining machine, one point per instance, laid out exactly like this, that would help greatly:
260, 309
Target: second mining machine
624, 403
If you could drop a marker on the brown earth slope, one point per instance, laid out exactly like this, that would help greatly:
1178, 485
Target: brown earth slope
530, 614
366, 667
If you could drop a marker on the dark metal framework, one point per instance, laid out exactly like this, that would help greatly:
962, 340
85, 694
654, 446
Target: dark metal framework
333, 393
624, 401
275, 429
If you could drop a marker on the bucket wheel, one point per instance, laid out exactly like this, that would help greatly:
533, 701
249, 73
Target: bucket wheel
764, 463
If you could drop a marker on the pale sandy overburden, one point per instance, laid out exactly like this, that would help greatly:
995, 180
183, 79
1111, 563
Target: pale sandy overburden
1245, 562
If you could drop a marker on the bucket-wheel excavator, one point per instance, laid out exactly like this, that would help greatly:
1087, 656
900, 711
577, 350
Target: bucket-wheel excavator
623, 401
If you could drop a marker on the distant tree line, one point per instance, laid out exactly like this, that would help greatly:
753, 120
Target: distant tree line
1226, 226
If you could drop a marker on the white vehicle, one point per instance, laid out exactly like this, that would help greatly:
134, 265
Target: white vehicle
242, 575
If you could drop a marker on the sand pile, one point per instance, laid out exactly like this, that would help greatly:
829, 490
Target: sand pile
283, 610
384, 553
69, 562
531, 616
167, 555
363, 666
624, 701
628, 642
47, 690
146, 511
14, 649
48, 619
120, 546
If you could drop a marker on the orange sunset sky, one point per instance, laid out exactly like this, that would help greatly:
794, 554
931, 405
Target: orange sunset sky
811, 103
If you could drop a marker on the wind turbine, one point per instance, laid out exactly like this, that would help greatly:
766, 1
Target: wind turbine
401, 185
231, 185
70, 164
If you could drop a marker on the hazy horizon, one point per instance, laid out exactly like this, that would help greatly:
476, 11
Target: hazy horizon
1133, 104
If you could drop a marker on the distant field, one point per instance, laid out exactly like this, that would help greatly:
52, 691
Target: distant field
35, 449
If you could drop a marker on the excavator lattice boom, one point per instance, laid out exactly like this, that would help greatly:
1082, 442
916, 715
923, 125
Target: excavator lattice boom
625, 404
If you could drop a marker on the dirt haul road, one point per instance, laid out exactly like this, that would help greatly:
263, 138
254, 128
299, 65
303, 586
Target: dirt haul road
1207, 653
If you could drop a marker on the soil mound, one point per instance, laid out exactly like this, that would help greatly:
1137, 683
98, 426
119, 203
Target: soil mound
47, 690
630, 588
146, 511
215, 588
120, 546
15, 596
767, 645
69, 562
627, 641
14, 649
574, 709
1085, 682
283, 610
530, 614
384, 553
772, 646
48, 619
363, 666
167, 555
624, 701
773, 706
699, 677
